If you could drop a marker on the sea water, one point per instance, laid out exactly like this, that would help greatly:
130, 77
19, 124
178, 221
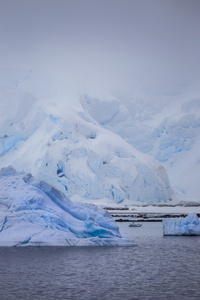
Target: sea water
156, 268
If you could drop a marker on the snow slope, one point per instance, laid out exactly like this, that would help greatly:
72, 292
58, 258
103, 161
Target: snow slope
33, 213
46, 130
166, 126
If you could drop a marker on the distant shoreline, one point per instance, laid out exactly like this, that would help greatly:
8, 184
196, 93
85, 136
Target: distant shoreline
151, 213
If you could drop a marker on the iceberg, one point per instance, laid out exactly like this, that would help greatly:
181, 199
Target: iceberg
33, 213
182, 226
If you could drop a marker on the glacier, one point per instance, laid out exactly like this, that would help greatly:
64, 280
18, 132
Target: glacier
33, 213
182, 226
46, 130
165, 126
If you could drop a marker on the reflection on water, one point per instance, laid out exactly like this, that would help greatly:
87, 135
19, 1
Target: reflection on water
158, 268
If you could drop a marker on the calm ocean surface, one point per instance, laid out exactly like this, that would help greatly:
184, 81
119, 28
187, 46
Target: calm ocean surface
157, 268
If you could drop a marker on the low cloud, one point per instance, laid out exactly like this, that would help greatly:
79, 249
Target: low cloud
96, 46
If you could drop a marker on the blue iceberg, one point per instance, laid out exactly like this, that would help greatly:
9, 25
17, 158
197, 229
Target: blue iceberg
33, 213
182, 226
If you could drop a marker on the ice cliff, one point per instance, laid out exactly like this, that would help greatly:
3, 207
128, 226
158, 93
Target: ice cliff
166, 126
182, 226
46, 130
33, 213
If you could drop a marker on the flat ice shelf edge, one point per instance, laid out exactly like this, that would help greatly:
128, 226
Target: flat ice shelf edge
182, 226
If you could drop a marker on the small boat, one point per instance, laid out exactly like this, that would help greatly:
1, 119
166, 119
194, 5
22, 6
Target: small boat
135, 225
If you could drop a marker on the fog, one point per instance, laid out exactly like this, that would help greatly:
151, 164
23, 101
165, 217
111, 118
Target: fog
104, 45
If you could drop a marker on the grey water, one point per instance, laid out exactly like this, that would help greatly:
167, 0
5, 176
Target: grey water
156, 268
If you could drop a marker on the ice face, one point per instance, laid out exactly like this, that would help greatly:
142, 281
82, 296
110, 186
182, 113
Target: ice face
164, 126
182, 226
64, 145
33, 213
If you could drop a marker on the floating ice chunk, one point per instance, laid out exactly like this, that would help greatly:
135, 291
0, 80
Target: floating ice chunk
182, 226
33, 213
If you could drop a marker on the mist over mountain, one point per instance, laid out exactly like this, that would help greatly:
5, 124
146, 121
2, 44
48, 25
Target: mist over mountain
102, 151
168, 129
101, 98
64, 145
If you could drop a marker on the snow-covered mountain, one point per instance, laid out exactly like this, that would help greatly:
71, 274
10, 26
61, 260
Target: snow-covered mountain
86, 146
46, 131
166, 126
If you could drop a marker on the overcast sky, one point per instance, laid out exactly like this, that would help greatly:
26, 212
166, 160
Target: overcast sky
103, 43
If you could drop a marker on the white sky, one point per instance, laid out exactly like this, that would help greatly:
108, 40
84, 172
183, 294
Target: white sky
100, 44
